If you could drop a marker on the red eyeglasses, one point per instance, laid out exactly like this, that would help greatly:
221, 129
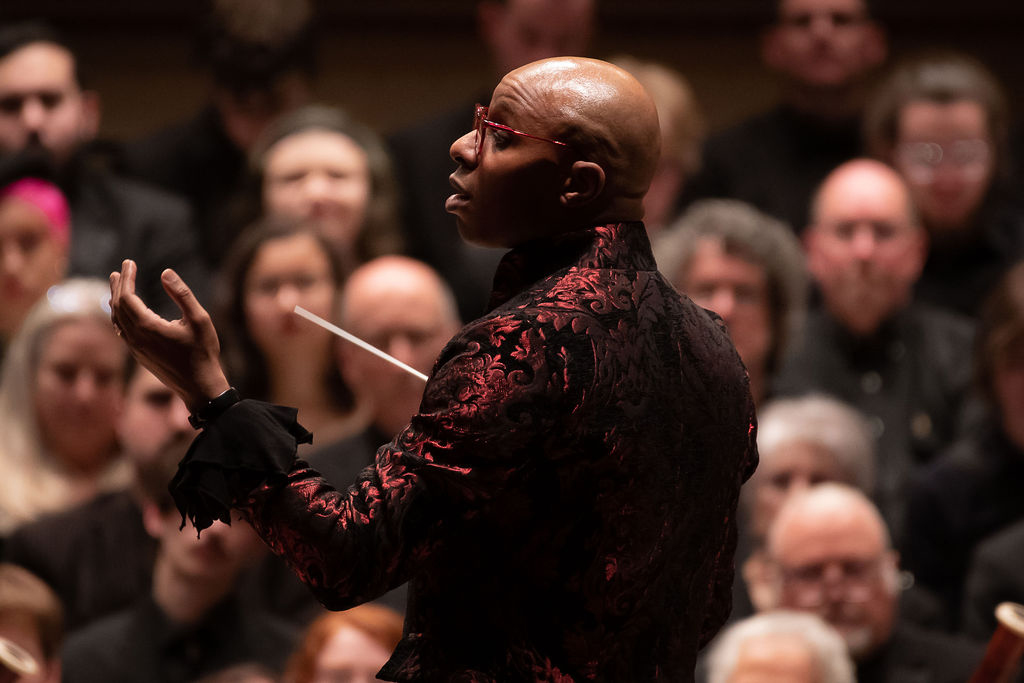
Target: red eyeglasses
480, 120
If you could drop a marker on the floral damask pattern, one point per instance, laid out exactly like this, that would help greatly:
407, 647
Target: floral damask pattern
563, 503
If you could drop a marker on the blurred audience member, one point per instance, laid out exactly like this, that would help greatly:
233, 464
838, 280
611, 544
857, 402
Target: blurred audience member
801, 442
270, 353
829, 553
682, 131
35, 229
61, 393
191, 623
994, 577
974, 489
404, 308
349, 646
780, 647
259, 59
318, 165
746, 267
516, 32
823, 52
97, 556
899, 362
31, 618
942, 121
241, 673
46, 111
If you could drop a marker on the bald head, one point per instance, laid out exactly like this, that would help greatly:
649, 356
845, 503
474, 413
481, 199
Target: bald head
403, 307
604, 113
827, 509
566, 144
865, 246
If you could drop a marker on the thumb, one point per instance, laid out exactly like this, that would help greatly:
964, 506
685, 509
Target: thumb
182, 295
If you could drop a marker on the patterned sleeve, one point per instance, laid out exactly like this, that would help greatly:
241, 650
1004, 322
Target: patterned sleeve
487, 403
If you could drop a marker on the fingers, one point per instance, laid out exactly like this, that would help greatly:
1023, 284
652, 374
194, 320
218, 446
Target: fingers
182, 295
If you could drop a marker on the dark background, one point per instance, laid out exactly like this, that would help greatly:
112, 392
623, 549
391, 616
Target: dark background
393, 61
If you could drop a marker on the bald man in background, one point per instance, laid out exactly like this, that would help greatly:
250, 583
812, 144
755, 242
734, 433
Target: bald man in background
563, 502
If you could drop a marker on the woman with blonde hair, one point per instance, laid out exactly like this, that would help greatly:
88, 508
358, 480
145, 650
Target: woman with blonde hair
61, 390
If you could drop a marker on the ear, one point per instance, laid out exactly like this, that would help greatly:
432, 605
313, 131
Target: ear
772, 50
152, 519
91, 109
584, 184
918, 253
762, 586
810, 237
876, 46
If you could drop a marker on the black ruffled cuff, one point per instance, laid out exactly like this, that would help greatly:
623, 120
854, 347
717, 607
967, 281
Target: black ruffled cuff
251, 444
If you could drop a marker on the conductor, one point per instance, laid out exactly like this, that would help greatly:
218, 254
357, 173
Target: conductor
563, 503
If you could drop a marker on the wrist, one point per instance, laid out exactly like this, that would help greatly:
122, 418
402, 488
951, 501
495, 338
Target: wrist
211, 409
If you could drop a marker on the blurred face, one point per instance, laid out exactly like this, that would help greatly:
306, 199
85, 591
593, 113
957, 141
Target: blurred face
775, 659
152, 416
350, 656
41, 105
509, 192
321, 176
78, 393
1009, 390
32, 259
790, 468
945, 154
737, 290
823, 43
402, 312
522, 31
836, 566
287, 272
863, 250
21, 630
218, 555
246, 115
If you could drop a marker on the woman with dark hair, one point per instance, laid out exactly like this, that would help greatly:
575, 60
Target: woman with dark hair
318, 164
941, 120
974, 489
269, 352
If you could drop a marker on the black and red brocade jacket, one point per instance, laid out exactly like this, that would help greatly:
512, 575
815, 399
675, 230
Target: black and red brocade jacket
563, 503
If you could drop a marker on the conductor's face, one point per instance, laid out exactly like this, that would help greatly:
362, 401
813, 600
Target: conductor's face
511, 166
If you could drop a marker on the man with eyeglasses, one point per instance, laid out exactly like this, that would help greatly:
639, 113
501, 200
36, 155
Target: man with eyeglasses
822, 53
898, 361
564, 501
829, 554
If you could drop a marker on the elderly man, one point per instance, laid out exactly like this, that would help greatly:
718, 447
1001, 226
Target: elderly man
829, 553
44, 110
403, 307
780, 646
823, 52
563, 501
900, 363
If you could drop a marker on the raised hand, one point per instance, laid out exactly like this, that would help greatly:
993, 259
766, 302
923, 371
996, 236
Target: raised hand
183, 353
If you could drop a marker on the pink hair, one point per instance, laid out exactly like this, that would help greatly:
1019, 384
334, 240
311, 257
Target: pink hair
46, 197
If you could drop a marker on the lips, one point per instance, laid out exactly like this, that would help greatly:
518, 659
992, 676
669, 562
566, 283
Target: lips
457, 200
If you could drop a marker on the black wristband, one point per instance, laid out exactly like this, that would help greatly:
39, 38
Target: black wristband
214, 409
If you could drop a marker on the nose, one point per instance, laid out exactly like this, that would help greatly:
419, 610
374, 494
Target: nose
864, 243
723, 302
287, 296
11, 259
463, 150
821, 25
33, 114
316, 186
